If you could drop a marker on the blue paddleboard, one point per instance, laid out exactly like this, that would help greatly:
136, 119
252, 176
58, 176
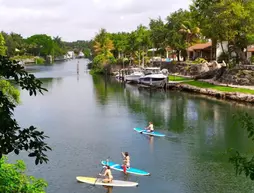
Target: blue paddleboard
131, 170
154, 133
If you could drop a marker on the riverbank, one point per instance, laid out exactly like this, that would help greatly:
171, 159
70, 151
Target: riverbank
29, 60
232, 92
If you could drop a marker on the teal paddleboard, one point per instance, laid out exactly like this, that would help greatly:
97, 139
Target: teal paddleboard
154, 133
130, 170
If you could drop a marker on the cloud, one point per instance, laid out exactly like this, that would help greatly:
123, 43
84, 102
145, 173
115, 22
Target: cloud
79, 19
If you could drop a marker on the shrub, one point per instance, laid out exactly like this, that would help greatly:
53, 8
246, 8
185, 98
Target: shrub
13, 179
39, 60
252, 59
199, 61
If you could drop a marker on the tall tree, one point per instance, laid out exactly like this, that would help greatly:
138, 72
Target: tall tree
158, 33
120, 43
182, 31
13, 137
143, 41
227, 20
103, 46
58, 47
42, 44
14, 43
2, 46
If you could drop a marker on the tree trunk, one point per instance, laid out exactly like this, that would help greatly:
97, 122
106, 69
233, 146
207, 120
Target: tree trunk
143, 58
222, 47
178, 55
242, 56
139, 57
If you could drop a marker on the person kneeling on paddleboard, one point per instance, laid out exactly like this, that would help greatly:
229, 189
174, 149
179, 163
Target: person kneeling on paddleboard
108, 175
126, 161
149, 128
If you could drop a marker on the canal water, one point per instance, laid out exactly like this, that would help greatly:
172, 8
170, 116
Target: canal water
90, 119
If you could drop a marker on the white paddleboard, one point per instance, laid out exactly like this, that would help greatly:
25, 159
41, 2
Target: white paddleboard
98, 182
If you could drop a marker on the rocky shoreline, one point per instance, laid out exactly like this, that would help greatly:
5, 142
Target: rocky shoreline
241, 97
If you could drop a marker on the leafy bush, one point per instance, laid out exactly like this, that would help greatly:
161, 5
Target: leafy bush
252, 59
39, 61
224, 57
199, 61
10, 91
13, 179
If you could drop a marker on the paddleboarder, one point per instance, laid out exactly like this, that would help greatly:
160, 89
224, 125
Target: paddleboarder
150, 128
108, 175
126, 161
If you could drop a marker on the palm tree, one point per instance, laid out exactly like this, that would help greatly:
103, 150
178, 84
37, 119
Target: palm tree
192, 33
103, 46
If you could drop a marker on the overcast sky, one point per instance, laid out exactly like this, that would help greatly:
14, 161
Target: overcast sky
81, 19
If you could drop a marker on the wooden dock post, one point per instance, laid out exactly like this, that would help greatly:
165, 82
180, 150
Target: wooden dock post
78, 67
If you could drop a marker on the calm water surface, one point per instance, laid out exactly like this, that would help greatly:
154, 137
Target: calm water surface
88, 121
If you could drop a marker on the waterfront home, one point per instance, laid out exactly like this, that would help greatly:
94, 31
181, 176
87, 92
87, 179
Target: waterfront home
250, 52
70, 55
201, 50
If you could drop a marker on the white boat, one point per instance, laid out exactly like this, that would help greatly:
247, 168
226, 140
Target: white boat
151, 70
154, 80
136, 73
153, 77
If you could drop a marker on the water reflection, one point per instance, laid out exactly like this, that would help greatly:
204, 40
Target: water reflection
209, 121
109, 189
92, 119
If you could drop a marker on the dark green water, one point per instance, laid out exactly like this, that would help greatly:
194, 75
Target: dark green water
89, 119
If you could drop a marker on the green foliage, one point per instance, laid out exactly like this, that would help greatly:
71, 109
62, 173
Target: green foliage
15, 44
58, 47
103, 46
40, 45
199, 61
23, 57
39, 60
13, 179
252, 59
2, 46
79, 45
120, 42
241, 163
226, 20
177, 78
158, 33
13, 137
182, 31
10, 91
224, 57
87, 52
201, 84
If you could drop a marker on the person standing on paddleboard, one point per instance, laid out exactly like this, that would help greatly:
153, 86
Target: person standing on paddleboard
108, 175
150, 128
126, 161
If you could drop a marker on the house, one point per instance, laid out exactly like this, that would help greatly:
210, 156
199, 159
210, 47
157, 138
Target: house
207, 50
250, 52
81, 55
201, 50
70, 55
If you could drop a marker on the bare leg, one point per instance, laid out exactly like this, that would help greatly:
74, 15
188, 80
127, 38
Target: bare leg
107, 180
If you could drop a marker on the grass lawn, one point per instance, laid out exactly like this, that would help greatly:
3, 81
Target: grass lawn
177, 78
219, 88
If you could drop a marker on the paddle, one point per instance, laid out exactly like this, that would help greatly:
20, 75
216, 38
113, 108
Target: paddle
100, 173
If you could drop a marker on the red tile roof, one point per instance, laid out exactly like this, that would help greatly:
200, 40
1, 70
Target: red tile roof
250, 49
200, 46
